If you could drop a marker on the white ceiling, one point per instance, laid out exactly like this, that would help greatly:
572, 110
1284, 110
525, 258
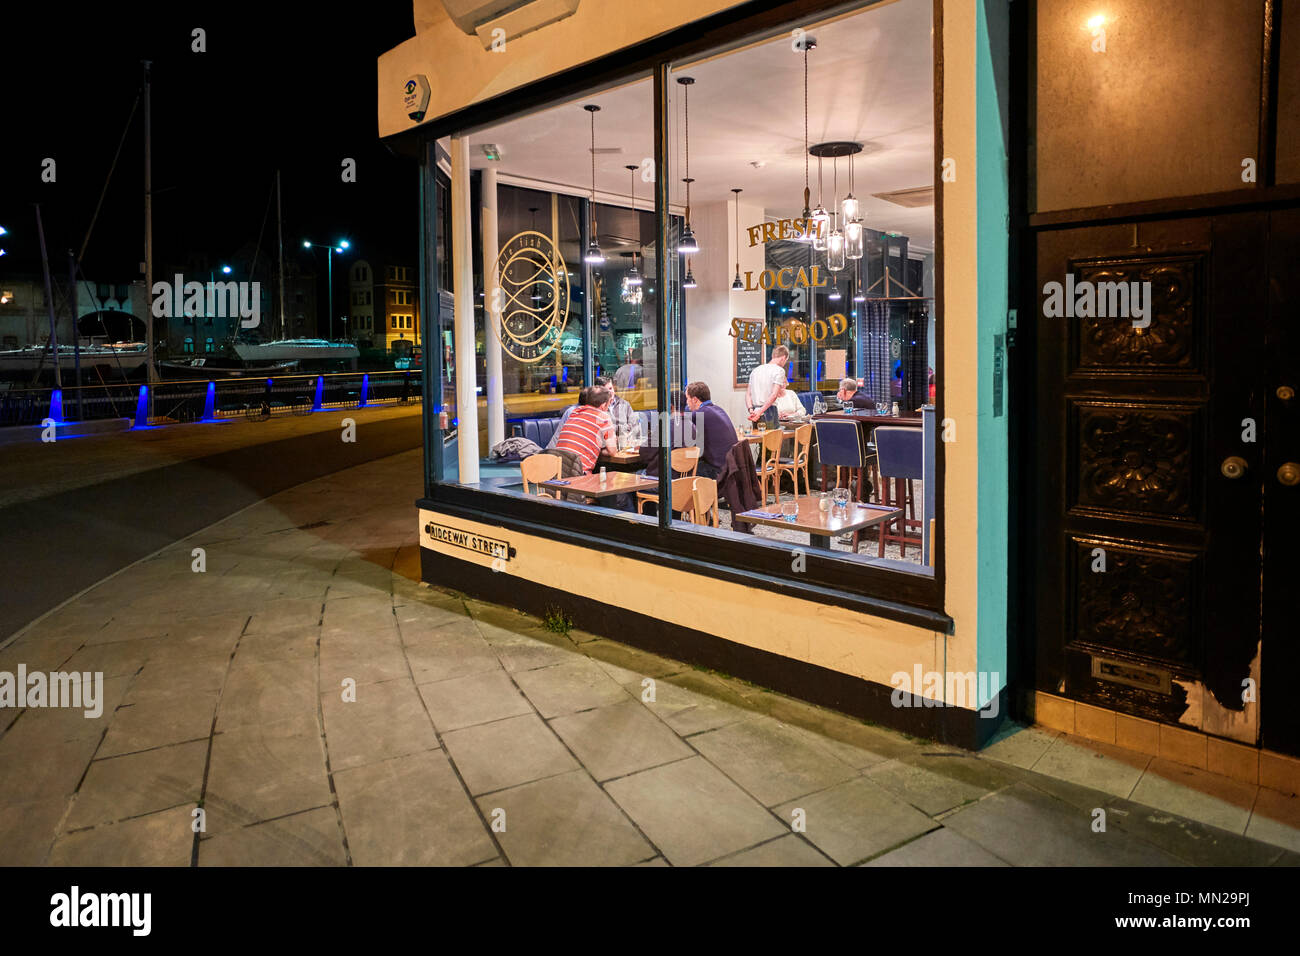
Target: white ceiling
869, 80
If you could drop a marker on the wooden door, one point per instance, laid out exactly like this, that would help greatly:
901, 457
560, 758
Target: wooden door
1150, 476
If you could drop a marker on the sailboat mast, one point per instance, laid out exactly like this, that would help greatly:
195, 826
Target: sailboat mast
49, 302
151, 371
279, 230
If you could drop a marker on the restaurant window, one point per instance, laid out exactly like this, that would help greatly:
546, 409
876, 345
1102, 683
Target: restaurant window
844, 299
851, 458
550, 323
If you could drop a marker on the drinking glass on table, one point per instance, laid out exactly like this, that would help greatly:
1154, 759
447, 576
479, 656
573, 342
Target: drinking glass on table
790, 511
840, 500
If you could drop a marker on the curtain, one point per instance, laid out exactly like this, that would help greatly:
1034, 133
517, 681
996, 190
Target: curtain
877, 368
916, 359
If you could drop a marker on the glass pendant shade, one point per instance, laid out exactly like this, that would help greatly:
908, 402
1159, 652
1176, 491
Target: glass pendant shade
849, 206
853, 239
594, 256
821, 222
835, 251
835, 293
688, 246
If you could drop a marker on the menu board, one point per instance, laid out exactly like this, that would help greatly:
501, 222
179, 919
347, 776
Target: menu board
748, 355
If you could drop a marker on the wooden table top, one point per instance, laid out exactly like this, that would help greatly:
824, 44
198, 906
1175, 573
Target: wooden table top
630, 454
616, 483
813, 520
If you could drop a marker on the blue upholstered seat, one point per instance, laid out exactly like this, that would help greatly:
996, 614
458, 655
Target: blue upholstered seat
840, 443
899, 451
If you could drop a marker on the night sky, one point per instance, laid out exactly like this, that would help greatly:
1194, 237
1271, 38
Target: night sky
279, 86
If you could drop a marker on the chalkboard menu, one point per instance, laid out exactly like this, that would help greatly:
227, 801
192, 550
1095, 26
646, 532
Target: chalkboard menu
749, 355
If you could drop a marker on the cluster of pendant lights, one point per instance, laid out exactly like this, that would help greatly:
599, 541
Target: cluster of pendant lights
825, 233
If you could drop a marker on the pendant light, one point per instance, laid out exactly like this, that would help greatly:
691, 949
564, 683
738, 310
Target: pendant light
820, 217
634, 277
594, 256
835, 293
853, 228
737, 285
688, 245
859, 296
850, 207
689, 282
835, 259
806, 234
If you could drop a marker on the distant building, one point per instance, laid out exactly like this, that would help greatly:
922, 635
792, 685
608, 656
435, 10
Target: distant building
383, 300
105, 311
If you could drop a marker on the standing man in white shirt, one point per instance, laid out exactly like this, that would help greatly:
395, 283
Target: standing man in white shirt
766, 383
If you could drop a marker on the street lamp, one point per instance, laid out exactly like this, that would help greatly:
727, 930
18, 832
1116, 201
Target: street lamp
343, 244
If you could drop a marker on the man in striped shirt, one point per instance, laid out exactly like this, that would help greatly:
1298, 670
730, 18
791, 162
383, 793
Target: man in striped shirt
589, 429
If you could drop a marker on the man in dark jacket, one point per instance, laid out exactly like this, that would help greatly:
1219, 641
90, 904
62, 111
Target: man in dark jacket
714, 431
850, 394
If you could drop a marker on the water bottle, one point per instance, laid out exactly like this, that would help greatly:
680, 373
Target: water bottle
894, 411
602, 474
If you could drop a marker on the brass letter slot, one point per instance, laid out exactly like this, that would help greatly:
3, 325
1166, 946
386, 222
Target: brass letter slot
1117, 672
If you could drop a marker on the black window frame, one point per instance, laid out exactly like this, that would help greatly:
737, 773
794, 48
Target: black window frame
912, 598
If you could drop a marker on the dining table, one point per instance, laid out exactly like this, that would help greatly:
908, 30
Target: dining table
821, 525
615, 483
627, 459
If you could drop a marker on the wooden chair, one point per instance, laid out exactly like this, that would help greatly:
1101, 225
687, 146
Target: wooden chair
684, 461
683, 496
705, 501
537, 468
802, 441
769, 461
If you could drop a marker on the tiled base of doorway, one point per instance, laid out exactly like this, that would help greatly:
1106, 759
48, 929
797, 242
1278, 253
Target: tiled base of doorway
1228, 785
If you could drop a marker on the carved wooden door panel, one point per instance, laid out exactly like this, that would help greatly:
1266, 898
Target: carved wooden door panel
1148, 588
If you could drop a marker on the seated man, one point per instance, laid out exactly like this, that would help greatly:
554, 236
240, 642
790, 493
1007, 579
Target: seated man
588, 430
627, 426
851, 394
714, 429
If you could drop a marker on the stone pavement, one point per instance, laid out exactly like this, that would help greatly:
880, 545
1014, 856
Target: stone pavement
479, 737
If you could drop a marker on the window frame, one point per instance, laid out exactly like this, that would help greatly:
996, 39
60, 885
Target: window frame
895, 594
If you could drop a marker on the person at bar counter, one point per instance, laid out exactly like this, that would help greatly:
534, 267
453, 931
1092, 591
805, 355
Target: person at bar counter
766, 383
589, 429
851, 394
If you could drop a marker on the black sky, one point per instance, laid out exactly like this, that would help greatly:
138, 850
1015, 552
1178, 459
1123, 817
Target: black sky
280, 85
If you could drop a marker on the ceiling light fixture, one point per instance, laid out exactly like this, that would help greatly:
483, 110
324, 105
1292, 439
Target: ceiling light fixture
737, 285
689, 282
835, 241
853, 228
634, 277
594, 256
804, 45
688, 245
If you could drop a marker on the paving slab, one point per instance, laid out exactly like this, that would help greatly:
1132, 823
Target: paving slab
411, 811
311, 838
942, 847
158, 839
477, 699
1093, 764
506, 753
620, 738
857, 819
385, 720
444, 657
116, 788
269, 770
157, 722
565, 688
693, 812
564, 821
789, 850
936, 783
770, 760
